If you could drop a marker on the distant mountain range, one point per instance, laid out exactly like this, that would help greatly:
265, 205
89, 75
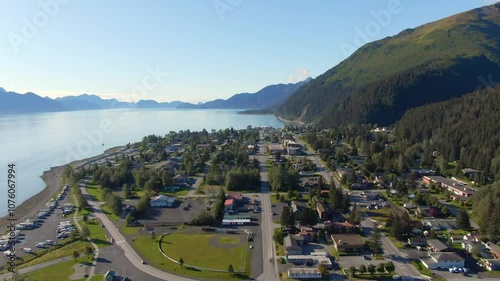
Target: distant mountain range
269, 96
380, 81
12, 103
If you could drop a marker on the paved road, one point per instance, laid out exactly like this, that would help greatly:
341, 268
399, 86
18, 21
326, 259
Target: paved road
401, 262
270, 269
130, 253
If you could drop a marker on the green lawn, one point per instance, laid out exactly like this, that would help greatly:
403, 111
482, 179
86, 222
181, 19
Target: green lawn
130, 230
396, 242
94, 191
149, 250
53, 254
61, 271
180, 246
110, 214
180, 192
97, 233
280, 251
379, 214
98, 277
229, 240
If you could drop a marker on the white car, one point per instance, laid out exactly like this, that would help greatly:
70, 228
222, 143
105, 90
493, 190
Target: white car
40, 245
27, 250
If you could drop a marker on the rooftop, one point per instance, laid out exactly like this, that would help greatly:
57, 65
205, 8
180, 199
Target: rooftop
446, 256
348, 239
438, 245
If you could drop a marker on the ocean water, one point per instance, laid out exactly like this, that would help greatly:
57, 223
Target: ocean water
37, 142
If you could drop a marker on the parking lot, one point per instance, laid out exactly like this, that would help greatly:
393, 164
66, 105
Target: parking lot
175, 215
46, 231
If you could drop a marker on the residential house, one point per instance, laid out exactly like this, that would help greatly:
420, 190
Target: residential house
483, 251
304, 273
324, 193
468, 172
441, 224
294, 150
322, 212
442, 260
296, 209
306, 233
345, 172
309, 178
162, 201
492, 264
417, 227
276, 148
181, 179
456, 239
458, 190
428, 211
437, 246
417, 241
342, 227
292, 245
473, 236
494, 249
348, 242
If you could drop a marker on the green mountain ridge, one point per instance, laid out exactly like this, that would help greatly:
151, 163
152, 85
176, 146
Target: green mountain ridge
382, 79
464, 129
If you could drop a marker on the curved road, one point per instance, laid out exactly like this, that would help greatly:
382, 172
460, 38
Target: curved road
130, 253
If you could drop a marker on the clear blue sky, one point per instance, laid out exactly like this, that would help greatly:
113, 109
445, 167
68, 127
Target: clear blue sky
209, 48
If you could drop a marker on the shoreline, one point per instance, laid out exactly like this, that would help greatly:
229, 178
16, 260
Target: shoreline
52, 179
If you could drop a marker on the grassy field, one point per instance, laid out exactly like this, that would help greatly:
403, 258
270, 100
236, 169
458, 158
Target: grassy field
64, 251
148, 249
94, 191
108, 212
396, 242
178, 246
181, 192
130, 230
96, 233
61, 271
378, 214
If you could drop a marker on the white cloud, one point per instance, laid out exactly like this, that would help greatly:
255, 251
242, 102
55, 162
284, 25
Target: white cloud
300, 75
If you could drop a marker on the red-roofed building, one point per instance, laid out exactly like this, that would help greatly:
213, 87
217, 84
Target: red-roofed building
229, 206
238, 196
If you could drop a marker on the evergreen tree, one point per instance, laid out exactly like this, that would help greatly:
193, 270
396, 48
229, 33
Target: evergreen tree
463, 220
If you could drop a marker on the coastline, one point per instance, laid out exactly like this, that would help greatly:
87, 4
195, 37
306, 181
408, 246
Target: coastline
35, 203
53, 185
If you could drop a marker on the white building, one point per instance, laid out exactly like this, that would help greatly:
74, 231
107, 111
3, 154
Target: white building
303, 273
162, 201
443, 260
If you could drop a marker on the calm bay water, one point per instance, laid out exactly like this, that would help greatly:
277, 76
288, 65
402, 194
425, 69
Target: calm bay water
36, 142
